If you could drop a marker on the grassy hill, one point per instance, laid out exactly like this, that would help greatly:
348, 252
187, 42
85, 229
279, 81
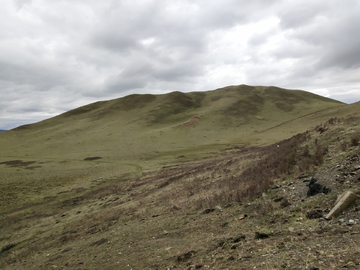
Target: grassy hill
85, 188
143, 124
138, 133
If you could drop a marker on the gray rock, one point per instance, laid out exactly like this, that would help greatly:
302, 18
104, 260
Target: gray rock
343, 202
351, 222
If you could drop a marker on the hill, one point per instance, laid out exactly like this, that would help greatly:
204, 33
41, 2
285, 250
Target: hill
138, 133
182, 180
144, 124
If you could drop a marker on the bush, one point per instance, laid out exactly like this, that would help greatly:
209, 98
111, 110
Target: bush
355, 139
319, 154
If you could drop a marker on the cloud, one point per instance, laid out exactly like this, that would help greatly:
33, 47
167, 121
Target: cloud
20, 3
57, 55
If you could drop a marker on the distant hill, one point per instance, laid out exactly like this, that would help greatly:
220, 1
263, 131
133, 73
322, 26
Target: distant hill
139, 126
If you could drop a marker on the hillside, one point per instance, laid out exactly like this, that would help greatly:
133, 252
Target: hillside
138, 133
182, 181
144, 124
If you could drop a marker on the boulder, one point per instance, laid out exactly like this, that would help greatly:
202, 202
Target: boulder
343, 202
315, 188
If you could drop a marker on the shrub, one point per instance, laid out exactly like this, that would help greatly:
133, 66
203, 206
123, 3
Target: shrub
319, 155
355, 139
305, 164
344, 145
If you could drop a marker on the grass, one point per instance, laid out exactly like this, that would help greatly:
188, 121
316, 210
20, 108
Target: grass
125, 192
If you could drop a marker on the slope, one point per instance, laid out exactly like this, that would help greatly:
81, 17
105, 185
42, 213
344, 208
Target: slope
143, 124
212, 213
138, 133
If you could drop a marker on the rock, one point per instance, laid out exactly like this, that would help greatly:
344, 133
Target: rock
351, 222
209, 210
274, 186
341, 220
350, 264
261, 235
194, 267
175, 207
186, 256
291, 229
326, 190
219, 208
315, 213
284, 203
224, 224
315, 188
239, 238
343, 202
242, 216
278, 199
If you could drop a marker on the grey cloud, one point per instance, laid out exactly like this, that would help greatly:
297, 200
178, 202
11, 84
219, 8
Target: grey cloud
260, 38
329, 28
297, 49
113, 41
20, 3
227, 13
41, 75
178, 71
343, 46
137, 68
298, 14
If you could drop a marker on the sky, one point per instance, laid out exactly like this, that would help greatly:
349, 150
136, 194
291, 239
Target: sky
57, 55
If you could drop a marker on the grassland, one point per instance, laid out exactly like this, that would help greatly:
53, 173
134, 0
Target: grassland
122, 184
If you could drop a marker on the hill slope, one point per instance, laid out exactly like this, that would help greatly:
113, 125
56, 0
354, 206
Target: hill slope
237, 207
143, 124
140, 133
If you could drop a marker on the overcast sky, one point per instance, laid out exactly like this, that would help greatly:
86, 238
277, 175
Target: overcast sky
58, 55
